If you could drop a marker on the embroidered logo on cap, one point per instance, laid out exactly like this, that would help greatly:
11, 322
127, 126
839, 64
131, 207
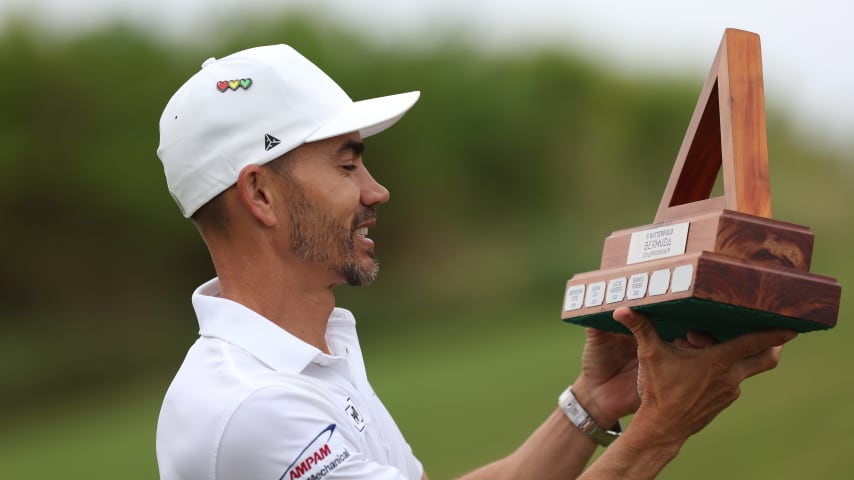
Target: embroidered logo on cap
224, 85
270, 142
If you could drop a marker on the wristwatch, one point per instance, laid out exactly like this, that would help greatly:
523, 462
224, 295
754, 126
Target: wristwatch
581, 419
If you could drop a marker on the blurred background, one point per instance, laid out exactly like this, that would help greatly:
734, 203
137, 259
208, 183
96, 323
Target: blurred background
543, 126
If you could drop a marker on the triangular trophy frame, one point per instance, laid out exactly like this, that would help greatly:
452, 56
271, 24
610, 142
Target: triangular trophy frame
720, 265
726, 132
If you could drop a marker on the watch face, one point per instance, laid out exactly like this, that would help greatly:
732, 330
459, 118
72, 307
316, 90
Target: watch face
576, 414
581, 419
573, 410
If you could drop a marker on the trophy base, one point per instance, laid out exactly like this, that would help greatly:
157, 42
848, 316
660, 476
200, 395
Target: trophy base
705, 292
674, 319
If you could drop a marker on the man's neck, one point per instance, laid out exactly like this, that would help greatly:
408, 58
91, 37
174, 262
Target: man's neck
288, 297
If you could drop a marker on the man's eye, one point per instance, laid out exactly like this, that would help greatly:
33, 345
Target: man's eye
350, 167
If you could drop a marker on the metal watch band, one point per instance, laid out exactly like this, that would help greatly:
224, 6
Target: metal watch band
581, 419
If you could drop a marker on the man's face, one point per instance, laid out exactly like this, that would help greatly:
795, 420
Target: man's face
331, 205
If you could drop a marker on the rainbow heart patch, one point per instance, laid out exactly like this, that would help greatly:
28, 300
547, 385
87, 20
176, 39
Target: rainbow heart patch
225, 85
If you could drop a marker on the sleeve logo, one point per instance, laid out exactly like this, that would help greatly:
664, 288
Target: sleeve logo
317, 459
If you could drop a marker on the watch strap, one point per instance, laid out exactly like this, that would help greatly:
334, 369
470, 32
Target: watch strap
584, 422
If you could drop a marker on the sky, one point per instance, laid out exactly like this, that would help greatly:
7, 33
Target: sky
806, 45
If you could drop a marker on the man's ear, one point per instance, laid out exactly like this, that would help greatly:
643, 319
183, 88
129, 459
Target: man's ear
255, 188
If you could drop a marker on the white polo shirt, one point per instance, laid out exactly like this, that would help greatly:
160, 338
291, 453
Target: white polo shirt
251, 401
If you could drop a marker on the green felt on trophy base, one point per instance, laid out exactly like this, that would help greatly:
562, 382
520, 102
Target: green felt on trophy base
675, 318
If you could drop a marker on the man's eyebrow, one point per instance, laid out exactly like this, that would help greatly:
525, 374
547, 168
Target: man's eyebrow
357, 148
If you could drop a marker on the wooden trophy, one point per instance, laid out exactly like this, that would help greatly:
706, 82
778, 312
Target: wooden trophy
719, 265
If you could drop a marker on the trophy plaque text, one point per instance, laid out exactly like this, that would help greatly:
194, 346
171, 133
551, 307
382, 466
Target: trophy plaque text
720, 265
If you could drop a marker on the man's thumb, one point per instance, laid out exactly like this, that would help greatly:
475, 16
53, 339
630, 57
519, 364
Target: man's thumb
641, 327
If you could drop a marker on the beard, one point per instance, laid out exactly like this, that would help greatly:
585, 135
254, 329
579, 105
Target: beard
318, 238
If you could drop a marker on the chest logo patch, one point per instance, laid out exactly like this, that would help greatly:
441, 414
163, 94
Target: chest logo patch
355, 415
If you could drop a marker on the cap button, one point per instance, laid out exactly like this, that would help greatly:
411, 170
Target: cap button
208, 62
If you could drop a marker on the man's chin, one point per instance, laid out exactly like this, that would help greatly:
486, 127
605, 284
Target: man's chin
359, 274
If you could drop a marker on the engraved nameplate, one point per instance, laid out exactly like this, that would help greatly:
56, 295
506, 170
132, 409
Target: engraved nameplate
616, 290
595, 294
574, 298
637, 286
657, 243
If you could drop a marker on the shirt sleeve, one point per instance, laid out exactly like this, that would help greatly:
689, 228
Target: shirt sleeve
281, 433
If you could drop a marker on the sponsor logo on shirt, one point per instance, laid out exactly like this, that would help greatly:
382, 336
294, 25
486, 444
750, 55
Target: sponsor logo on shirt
317, 459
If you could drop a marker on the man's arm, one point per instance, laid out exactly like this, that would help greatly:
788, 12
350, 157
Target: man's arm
679, 388
555, 450
606, 388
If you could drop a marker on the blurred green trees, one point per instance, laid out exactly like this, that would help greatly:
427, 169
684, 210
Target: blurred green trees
505, 179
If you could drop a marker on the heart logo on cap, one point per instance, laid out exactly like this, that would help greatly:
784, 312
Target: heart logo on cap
224, 85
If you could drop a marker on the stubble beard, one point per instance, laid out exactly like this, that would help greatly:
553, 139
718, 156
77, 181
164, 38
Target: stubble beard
318, 238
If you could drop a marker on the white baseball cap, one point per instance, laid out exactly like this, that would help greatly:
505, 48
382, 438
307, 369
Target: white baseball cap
250, 108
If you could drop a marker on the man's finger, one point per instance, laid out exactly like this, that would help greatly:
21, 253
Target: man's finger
701, 340
752, 344
643, 329
757, 364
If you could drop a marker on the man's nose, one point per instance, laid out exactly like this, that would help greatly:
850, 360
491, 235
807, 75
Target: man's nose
373, 192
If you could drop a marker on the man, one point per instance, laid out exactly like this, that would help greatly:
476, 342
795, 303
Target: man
264, 152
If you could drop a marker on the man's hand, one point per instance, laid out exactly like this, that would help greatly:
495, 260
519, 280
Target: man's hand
683, 386
607, 386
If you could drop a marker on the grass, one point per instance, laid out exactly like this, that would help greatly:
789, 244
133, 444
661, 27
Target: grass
109, 435
465, 396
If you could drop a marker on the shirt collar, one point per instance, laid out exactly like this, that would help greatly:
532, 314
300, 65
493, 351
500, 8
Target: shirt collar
236, 324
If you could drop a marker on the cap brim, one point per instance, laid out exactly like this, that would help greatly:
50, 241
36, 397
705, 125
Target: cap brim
368, 117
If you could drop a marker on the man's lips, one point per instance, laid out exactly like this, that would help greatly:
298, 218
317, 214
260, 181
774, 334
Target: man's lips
361, 232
